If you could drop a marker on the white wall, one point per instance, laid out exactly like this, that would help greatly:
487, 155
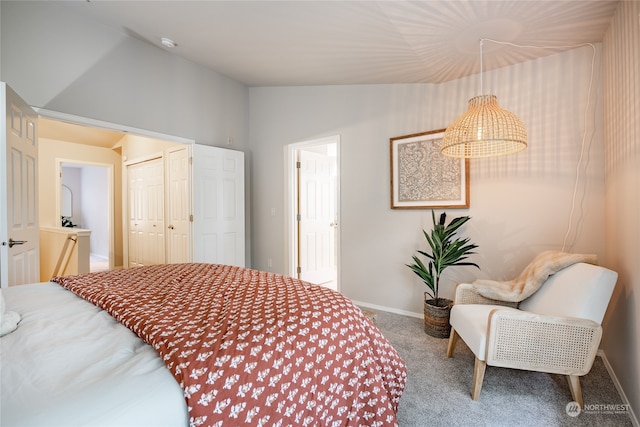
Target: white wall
70, 64
89, 187
67, 63
621, 52
520, 204
95, 212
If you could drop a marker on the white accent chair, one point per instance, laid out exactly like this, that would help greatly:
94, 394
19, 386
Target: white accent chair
556, 330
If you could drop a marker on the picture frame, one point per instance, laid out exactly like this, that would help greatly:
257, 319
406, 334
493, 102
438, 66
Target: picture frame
422, 177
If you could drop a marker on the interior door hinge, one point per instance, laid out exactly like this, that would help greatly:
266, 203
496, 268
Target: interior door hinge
298, 217
298, 165
190, 160
191, 218
299, 270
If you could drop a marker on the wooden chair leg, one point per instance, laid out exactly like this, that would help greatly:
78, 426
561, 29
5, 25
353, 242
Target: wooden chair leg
453, 339
478, 376
576, 389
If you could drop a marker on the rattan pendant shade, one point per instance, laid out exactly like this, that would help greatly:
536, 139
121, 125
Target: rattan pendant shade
485, 130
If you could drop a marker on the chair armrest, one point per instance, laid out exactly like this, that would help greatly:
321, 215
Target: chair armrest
467, 294
536, 342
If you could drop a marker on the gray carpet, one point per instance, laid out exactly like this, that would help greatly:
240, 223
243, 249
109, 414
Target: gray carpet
438, 390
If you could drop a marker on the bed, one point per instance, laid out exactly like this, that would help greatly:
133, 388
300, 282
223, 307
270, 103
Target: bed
193, 344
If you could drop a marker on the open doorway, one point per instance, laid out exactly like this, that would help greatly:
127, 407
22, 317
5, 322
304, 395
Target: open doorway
80, 141
86, 202
313, 210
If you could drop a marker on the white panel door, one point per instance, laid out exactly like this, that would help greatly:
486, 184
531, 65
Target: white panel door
19, 231
218, 205
179, 207
135, 215
146, 213
317, 220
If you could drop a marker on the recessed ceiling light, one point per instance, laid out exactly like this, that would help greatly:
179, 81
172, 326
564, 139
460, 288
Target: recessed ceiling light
167, 42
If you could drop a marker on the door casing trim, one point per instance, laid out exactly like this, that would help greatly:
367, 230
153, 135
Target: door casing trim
290, 209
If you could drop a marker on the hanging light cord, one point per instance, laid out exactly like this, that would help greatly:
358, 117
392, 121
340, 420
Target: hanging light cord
481, 67
586, 111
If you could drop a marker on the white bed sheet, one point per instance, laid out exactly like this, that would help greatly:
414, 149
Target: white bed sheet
71, 364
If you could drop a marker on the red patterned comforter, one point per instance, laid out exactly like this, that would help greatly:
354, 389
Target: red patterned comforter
255, 348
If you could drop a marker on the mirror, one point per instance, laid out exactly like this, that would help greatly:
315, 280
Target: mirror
66, 202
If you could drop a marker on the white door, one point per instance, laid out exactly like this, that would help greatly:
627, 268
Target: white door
218, 205
146, 213
135, 215
179, 242
19, 231
317, 220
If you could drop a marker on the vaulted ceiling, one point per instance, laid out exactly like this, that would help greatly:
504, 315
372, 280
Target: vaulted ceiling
292, 43
275, 43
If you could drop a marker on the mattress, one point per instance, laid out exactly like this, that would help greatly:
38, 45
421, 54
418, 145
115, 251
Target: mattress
70, 364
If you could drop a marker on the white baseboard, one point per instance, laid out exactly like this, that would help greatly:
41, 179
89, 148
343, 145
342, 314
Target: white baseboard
601, 353
389, 309
614, 378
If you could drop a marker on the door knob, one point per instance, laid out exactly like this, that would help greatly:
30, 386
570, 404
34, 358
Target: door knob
171, 227
12, 242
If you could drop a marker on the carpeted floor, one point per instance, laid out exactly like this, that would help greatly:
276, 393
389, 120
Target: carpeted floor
438, 391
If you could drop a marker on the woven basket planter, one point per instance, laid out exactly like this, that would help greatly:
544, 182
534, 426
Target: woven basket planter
436, 317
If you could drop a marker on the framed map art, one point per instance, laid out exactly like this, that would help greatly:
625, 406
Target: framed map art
423, 178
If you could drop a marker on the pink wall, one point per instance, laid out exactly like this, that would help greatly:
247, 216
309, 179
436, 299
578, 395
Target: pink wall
621, 342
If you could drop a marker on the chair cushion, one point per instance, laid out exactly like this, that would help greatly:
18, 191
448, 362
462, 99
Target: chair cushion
580, 290
471, 321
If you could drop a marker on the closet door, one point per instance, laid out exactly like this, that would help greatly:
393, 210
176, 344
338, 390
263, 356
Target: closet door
179, 207
218, 205
146, 213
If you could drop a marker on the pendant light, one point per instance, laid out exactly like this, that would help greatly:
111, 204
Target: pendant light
485, 130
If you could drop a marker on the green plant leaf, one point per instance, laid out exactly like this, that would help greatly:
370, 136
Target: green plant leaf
445, 251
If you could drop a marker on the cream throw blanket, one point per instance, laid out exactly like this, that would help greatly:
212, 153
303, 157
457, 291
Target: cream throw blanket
532, 277
8, 320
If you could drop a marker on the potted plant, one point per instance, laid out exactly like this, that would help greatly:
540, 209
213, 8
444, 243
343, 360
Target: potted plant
446, 250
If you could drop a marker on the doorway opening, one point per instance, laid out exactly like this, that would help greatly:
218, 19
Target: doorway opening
86, 201
313, 211
90, 136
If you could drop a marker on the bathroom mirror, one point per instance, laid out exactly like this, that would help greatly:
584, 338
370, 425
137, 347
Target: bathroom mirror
66, 202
